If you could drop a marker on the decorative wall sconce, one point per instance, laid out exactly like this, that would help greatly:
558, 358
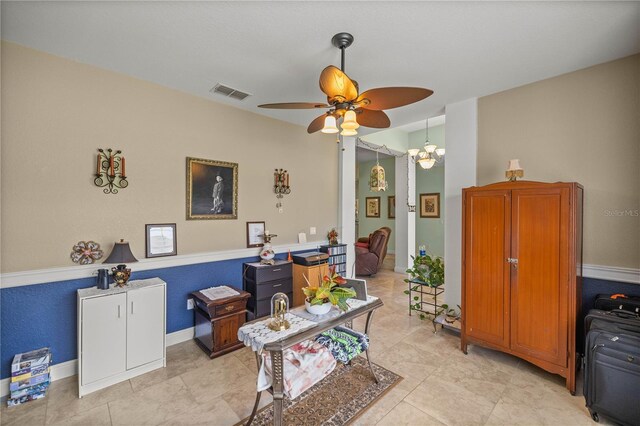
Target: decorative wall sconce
281, 185
514, 171
110, 171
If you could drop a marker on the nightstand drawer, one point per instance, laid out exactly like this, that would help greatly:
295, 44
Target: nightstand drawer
229, 308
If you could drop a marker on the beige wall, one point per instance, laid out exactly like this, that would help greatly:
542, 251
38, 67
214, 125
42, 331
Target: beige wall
583, 126
56, 113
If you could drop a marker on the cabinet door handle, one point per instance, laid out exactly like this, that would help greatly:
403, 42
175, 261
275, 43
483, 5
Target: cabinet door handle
118, 311
276, 270
277, 285
131, 307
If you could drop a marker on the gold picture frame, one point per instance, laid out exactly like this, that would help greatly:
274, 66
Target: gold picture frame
373, 206
430, 205
391, 207
212, 189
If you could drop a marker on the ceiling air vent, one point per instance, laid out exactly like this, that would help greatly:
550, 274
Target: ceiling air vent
221, 89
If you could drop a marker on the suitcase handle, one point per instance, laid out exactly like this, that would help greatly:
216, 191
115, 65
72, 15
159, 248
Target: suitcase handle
621, 313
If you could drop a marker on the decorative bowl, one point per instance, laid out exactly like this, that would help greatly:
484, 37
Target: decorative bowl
317, 309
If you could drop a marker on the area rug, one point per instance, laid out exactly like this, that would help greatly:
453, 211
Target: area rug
336, 400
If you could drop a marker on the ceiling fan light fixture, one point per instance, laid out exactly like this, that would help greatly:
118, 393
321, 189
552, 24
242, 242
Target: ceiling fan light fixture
440, 152
349, 121
330, 125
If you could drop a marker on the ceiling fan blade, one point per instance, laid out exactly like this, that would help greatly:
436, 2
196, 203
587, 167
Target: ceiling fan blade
316, 124
392, 97
294, 105
372, 118
337, 85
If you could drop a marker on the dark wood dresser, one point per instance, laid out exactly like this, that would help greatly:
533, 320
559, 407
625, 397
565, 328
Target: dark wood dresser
263, 281
218, 321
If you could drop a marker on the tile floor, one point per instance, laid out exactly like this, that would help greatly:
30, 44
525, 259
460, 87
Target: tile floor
441, 385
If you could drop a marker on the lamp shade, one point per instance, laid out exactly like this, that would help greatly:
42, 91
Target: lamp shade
430, 148
330, 125
413, 152
348, 132
440, 152
514, 165
349, 121
427, 162
121, 253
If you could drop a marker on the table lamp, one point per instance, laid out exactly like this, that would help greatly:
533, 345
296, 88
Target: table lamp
121, 254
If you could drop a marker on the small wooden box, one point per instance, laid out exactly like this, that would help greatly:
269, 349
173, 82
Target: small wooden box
218, 321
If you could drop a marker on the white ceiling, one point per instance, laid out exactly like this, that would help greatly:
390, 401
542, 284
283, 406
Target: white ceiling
276, 50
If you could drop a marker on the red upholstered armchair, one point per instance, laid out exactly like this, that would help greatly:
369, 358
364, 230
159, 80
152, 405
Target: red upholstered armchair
370, 257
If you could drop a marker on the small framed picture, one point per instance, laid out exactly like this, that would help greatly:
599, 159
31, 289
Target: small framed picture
391, 207
255, 231
430, 205
161, 240
373, 206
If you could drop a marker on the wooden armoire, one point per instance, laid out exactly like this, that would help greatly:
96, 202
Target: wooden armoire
521, 271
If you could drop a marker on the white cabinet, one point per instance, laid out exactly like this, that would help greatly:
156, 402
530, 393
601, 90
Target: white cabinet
121, 333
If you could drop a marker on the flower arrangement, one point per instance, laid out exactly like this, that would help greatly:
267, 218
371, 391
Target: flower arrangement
330, 291
332, 236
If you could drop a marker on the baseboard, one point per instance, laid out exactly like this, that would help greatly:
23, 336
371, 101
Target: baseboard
611, 273
70, 368
180, 336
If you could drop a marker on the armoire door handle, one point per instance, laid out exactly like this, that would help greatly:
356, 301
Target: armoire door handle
513, 261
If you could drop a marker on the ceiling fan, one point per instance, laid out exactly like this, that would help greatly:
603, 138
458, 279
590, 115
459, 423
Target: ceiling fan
344, 100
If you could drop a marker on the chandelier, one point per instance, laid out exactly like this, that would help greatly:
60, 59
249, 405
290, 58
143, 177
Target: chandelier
431, 154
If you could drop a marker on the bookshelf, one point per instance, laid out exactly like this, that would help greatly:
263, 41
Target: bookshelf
337, 257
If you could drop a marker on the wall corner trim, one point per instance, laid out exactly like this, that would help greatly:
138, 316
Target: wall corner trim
41, 276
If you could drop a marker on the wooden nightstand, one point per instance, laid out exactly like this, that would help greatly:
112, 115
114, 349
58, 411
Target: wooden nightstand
218, 321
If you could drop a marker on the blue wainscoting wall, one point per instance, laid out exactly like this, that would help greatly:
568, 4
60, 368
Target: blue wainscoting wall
41, 315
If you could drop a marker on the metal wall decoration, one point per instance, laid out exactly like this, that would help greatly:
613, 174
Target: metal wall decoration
281, 185
110, 171
212, 189
86, 252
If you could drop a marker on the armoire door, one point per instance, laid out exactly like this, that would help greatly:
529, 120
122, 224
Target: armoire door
104, 341
486, 297
146, 326
540, 279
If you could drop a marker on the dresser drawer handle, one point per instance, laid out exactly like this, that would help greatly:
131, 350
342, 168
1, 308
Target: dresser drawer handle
229, 308
276, 270
277, 285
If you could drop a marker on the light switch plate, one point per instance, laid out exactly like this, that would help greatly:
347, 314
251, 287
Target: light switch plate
189, 304
312, 230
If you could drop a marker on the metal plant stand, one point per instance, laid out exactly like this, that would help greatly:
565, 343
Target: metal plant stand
417, 287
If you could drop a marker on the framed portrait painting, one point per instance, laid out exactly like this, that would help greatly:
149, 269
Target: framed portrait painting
430, 205
373, 206
391, 207
160, 240
255, 231
212, 189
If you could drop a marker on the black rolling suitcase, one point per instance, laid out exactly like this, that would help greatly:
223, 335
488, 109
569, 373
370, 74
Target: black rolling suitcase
612, 366
609, 302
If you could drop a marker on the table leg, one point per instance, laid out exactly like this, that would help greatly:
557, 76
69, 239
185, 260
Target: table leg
278, 386
255, 408
366, 331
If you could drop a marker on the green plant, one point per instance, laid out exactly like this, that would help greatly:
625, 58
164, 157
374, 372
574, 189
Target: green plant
330, 291
428, 270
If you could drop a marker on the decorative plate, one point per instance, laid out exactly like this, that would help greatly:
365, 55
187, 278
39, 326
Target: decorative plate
86, 252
